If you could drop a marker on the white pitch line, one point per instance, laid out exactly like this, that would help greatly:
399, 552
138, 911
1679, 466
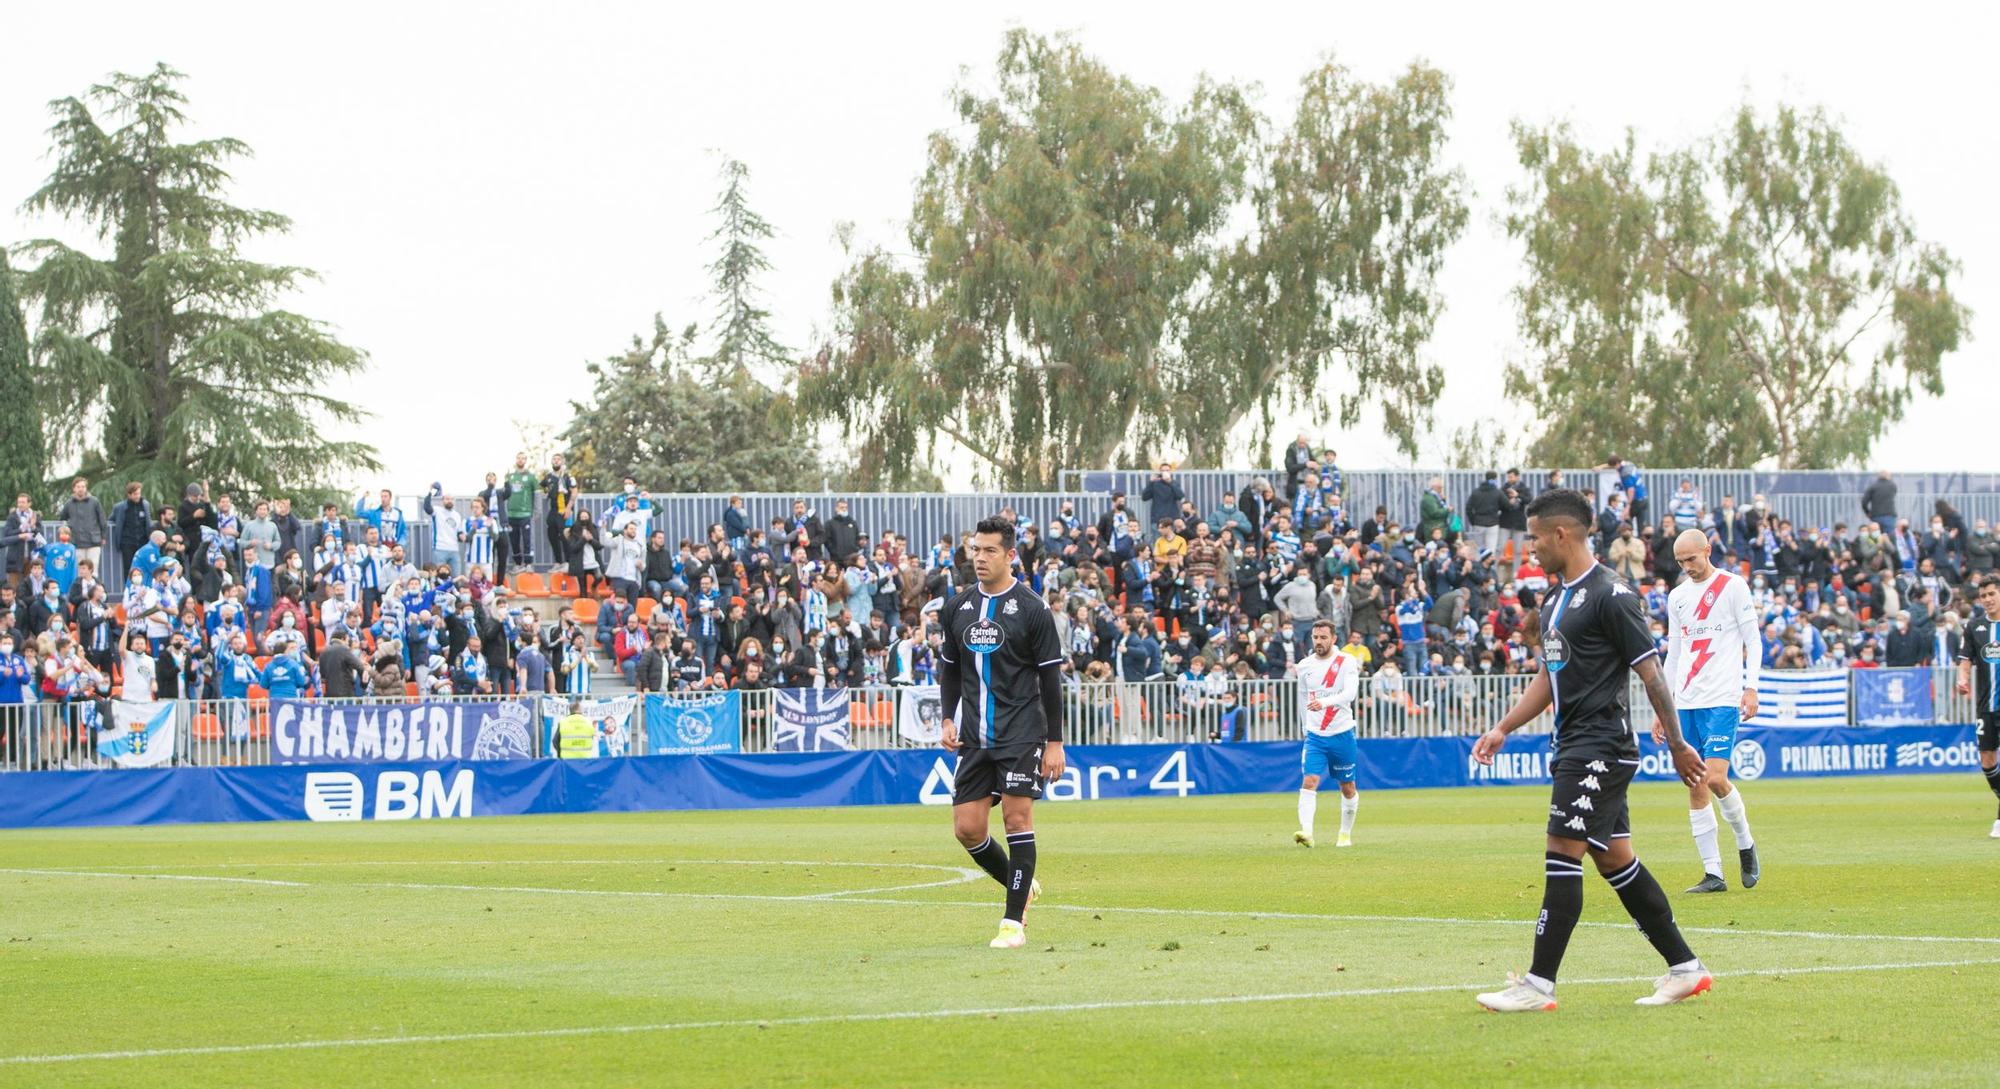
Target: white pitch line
960, 876
909, 1015
1440, 920
164, 877
510, 862
859, 896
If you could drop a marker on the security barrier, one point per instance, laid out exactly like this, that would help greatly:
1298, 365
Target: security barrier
89, 734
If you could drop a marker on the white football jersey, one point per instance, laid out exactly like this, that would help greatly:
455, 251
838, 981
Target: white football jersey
1714, 643
1335, 681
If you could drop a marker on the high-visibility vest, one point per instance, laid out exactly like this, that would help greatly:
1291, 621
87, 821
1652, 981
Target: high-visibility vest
576, 738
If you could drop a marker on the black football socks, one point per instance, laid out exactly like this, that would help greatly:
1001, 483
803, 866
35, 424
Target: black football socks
1022, 875
1647, 903
1562, 902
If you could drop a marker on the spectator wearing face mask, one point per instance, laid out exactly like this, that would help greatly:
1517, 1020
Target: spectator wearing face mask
1906, 647
1629, 556
286, 675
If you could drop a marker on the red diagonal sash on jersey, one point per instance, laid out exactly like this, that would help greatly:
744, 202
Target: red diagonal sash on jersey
1332, 673
1701, 610
1709, 595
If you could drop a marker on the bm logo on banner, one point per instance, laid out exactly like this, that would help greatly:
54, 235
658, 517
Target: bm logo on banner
399, 796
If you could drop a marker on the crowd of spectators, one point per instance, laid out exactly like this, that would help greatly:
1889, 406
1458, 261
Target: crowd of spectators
225, 599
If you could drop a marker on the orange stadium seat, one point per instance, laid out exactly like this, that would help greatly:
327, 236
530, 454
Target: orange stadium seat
586, 610
531, 584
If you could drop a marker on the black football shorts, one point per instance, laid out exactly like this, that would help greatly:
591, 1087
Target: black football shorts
989, 773
1589, 800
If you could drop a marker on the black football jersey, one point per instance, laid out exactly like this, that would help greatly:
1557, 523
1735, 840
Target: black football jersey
1593, 632
1981, 646
1000, 644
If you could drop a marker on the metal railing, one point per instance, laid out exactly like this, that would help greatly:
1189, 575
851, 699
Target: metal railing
213, 733
1822, 499
920, 519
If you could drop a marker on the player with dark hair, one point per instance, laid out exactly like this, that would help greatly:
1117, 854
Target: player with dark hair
1979, 655
1328, 682
1594, 635
1000, 679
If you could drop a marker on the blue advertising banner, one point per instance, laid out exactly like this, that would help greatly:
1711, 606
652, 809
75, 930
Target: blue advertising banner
809, 720
312, 732
1893, 697
692, 723
433, 789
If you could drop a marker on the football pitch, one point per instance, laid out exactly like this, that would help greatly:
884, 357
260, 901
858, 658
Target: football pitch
1180, 942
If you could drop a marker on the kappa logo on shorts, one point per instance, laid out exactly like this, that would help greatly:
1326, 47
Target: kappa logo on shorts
1575, 824
1598, 766
1583, 803
1590, 783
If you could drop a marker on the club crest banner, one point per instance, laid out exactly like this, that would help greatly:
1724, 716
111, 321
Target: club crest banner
316, 732
142, 734
684, 724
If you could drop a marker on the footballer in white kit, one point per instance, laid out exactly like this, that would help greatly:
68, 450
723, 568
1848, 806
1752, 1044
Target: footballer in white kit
1328, 682
1714, 647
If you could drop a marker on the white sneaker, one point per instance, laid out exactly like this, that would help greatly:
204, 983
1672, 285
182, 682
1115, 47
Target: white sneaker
1677, 986
1304, 838
1012, 936
1520, 996
1344, 840
1995, 834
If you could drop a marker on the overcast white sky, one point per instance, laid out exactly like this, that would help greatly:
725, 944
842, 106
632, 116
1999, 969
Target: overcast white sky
497, 194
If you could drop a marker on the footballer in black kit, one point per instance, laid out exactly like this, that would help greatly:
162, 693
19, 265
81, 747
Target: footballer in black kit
1000, 679
1592, 629
1593, 637
1979, 676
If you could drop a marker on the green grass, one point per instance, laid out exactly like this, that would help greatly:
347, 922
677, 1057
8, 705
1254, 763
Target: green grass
695, 979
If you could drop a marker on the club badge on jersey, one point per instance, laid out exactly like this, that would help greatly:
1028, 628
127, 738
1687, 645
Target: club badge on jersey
982, 636
1555, 652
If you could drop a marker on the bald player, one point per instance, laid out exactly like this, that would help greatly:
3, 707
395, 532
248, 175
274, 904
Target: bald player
1713, 645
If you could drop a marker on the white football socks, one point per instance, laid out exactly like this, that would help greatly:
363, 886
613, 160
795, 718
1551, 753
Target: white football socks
1739, 821
1308, 805
1348, 807
1702, 821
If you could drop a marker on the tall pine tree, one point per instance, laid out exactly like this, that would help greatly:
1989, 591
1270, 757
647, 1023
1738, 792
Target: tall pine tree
169, 360
743, 328
23, 458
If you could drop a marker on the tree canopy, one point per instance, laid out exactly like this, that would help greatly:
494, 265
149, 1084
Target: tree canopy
22, 454
657, 413
684, 421
1760, 295
169, 360
1084, 289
